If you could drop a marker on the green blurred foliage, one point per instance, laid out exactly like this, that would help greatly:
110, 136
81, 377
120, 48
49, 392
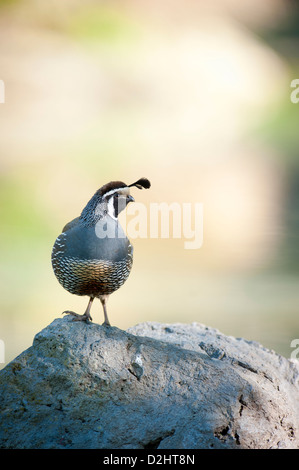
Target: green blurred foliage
101, 23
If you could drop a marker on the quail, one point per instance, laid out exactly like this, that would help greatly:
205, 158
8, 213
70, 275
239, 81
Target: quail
92, 256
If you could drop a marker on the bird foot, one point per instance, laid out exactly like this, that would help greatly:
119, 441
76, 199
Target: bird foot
85, 317
106, 323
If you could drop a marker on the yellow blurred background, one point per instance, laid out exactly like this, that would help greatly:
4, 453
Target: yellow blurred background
193, 95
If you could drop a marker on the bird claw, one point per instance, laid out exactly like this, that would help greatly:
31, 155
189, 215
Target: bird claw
77, 317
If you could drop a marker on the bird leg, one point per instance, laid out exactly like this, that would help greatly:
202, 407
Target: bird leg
86, 316
103, 299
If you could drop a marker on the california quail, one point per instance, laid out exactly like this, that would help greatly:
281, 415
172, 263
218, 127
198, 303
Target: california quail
92, 256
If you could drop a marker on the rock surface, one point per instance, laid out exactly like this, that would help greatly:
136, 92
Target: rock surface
159, 386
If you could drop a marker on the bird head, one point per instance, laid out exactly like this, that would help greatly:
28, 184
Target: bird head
117, 195
111, 199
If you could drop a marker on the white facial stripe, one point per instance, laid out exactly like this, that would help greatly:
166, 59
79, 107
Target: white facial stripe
124, 191
110, 208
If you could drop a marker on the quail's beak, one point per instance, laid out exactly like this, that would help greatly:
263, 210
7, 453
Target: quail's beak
130, 199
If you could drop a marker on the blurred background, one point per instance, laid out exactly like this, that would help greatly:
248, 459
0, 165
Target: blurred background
193, 95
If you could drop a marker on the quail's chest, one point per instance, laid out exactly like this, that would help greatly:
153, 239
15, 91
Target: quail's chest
86, 264
97, 243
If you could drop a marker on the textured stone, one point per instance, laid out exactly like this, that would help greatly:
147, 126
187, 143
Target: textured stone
160, 386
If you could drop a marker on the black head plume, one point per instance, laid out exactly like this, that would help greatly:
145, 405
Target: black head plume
141, 183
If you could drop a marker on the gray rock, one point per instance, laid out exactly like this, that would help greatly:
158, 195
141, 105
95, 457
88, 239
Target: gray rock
155, 386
